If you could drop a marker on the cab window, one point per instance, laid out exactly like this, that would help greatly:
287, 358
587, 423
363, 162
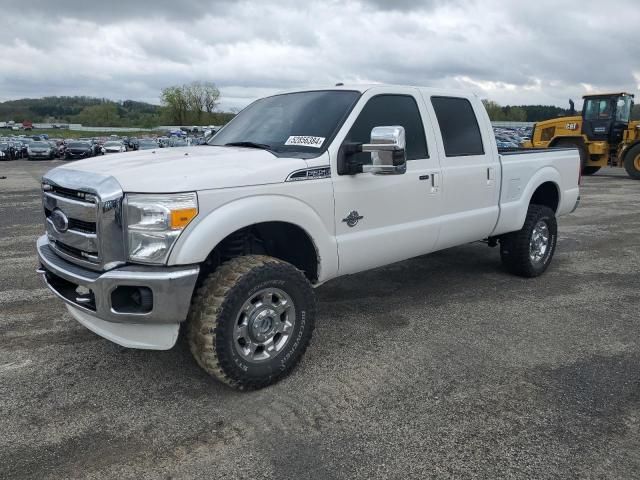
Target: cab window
623, 109
458, 126
390, 110
598, 108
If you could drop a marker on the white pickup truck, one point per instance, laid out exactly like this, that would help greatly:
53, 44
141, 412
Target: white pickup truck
228, 239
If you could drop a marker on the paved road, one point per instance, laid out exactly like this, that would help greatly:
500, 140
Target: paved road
439, 367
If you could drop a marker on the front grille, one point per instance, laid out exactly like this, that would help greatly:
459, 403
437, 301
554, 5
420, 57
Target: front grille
74, 252
82, 226
80, 238
83, 218
75, 194
77, 224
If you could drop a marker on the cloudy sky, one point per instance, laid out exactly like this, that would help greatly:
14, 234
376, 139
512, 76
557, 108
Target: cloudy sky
511, 51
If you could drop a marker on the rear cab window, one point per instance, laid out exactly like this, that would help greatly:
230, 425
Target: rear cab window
459, 127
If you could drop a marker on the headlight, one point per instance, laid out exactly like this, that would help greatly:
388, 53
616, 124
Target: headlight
154, 223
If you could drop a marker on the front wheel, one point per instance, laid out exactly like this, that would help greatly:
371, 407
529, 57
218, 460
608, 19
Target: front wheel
251, 321
528, 252
632, 162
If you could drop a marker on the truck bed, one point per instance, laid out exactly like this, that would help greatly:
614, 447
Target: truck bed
519, 169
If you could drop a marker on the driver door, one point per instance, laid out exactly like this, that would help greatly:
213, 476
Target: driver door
381, 219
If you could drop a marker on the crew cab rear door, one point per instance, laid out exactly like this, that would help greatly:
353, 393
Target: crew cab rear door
470, 165
380, 219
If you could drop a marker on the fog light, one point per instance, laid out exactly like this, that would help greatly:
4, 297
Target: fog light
128, 299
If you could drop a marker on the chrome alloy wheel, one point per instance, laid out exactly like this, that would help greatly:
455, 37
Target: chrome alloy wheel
264, 325
540, 241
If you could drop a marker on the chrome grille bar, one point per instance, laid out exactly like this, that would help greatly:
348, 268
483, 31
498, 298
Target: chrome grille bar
92, 234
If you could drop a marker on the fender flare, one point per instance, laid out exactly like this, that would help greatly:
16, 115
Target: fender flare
203, 235
626, 149
513, 213
578, 139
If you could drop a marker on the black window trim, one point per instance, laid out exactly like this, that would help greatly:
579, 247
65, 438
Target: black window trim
426, 141
475, 117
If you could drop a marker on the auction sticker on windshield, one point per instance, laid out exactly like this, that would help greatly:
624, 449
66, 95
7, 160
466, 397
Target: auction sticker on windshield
305, 141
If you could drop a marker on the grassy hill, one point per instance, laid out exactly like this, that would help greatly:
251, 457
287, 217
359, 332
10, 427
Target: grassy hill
95, 112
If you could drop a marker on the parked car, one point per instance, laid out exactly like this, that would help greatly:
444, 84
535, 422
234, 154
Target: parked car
114, 147
229, 241
22, 144
41, 150
147, 144
77, 150
9, 151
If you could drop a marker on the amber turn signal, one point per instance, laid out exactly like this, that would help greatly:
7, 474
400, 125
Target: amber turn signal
181, 218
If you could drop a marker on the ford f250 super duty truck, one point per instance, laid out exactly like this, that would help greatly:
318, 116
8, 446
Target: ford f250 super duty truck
228, 239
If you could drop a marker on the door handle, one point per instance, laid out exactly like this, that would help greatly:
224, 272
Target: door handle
491, 174
435, 180
423, 177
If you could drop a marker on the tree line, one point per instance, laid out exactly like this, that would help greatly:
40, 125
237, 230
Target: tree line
196, 103
190, 104
534, 113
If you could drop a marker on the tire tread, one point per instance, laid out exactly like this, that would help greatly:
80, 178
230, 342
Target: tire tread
208, 304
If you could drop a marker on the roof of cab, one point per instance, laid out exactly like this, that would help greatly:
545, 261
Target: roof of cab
615, 94
373, 86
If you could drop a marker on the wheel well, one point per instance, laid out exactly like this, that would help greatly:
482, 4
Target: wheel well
282, 240
546, 194
578, 141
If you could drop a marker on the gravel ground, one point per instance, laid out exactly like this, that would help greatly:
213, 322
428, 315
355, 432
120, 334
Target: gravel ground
442, 366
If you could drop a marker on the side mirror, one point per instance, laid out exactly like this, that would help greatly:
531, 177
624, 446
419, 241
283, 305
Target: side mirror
388, 151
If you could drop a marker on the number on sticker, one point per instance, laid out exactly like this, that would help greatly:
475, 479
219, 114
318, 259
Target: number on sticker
305, 141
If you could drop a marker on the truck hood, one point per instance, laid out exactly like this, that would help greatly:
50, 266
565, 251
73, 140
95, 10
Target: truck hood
181, 169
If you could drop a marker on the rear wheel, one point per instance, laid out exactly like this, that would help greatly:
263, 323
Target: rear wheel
632, 162
528, 252
251, 321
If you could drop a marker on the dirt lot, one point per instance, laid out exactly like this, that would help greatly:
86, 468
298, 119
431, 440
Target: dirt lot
439, 367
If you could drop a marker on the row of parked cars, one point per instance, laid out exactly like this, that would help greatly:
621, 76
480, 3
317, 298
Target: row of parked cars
510, 137
39, 147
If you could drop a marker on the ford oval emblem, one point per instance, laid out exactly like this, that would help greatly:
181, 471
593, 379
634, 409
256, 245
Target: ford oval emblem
59, 220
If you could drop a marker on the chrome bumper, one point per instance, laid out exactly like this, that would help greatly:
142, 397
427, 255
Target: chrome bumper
170, 288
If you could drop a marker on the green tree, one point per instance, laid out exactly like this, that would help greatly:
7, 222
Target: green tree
103, 115
175, 100
194, 102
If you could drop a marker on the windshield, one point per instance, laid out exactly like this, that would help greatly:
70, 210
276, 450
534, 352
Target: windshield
302, 122
112, 144
78, 145
599, 108
40, 144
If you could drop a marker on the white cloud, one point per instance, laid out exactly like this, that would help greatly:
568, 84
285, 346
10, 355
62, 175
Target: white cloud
511, 52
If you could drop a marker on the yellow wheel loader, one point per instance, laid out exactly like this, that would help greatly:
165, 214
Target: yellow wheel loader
603, 134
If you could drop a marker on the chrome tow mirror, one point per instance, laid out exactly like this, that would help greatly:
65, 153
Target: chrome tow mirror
388, 151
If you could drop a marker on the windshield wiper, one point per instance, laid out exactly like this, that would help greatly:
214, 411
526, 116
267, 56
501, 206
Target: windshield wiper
262, 146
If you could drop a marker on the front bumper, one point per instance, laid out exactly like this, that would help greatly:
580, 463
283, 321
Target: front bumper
104, 295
